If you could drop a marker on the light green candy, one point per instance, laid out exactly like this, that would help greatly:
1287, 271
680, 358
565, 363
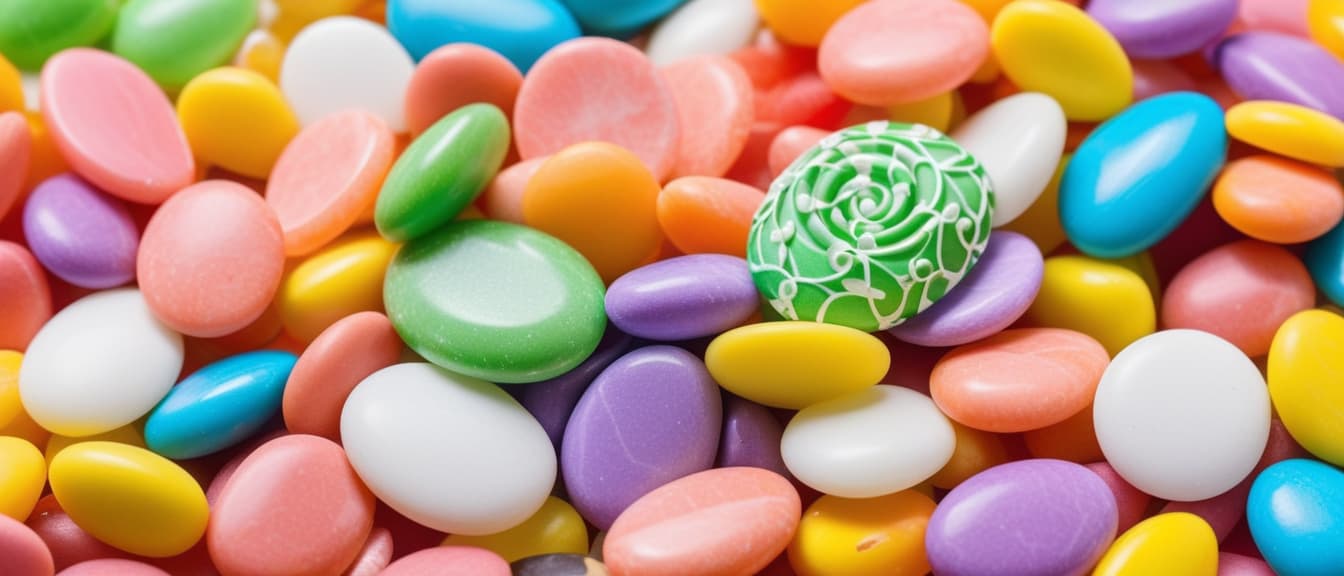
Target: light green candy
32, 30
175, 40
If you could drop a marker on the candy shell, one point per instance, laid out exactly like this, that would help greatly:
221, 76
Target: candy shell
707, 215
81, 235
22, 552
1020, 167
1157, 29
112, 567
1325, 24
1230, 564
520, 30
1277, 199
803, 22
552, 401
34, 30
176, 40
618, 18
714, 102
128, 434
975, 452
1300, 361
372, 73
374, 556
449, 561
1174, 543
10, 404
454, 76
23, 475
750, 437
1294, 131
556, 528
881, 536
1273, 66
331, 366
1130, 502
702, 27
795, 364
503, 198
1291, 512
342, 279
23, 289
236, 119
15, 148
1079, 293
683, 298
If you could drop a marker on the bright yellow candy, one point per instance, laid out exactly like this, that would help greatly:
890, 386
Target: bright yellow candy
1172, 544
130, 498
128, 434
292, 15
337, 281
881, 536
1289, 129
987, 9
1104, 300
1052, 47
262, 53
23, 473
796, 364
10, 405
1041, 221
1142, 264
1306, 370
1325, 21
236, 119
555, 529
803, 22
11, 87
935, 111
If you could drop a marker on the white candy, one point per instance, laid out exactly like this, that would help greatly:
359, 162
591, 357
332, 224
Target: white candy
451, 452
1019, 141
345, 62
868, 443
703, 27
1182, 415
99, 364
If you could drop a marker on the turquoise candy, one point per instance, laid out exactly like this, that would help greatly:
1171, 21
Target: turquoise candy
1138, 175
1296, 515
1325, 259
871, 226
619, 18
496, 301
520, 30
219, 405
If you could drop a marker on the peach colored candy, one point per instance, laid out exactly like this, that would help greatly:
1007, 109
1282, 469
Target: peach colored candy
1074, 439
1130, 502
115, 126
789, 144
1286, 16
455, 75
1019, 380
719, 522
1277, 199
16, 144
294, 507
112, 567
701, 214
450, 561
753, 166
1230, 564
597, 89
26, 298
503, 198
374, 556
211, 259
327, 177
22, 551
1153, 77
340, 357
1240, 292
714, 100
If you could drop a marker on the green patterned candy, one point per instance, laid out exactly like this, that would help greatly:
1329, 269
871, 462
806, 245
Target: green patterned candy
871, 226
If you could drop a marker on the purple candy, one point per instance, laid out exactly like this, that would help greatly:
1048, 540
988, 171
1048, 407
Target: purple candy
750, 437
651, 417
996, 292
552, 401
80, 234
1271, 66
1027, 517
1163, 28
683, 298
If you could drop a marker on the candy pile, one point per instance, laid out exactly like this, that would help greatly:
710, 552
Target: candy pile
671, 287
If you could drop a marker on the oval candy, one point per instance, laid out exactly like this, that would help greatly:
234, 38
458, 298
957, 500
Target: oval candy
701, 214
23, 287
23, 475
1020, 167
1154, 29
1080, 293
1172, 543
881, 536
1291, 512
795, 364
331, 366
175, 40
616, 18
112, 567
449, 561
372, 74
1301, 359
559, 565
520, 30
714, 101
16, 147
34, 30
342, 279
1324, 258
236, 119
556, 528
701, 27
1277, 199
1275, 66
750, 437
1292, 130
455, 75
683, 298
22, 551
552, 401
81, 235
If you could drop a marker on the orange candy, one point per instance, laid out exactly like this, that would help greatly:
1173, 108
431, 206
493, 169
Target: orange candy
25, 301
1278, 200
340, 357
714, 100
976, 451
455, 75
1074, 439
15, 147
700, 214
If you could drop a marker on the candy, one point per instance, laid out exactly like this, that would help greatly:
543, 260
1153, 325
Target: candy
881, 536
15, 149
702, 27
1020, 167
701, 214
10, 405
975, 451
176, 40
795, 364
236, 119
552, 401
521, 30
556, 528
128, 434
343, 279
373, 73
1292, 512
454, 76
1324, 257
33, 30
81, 235
1301, 362
559, 565
683, 298
1325, 22
1154, 77
1131, 504
112, 567
1278, 200
1291, 130
1079, 293
22, 551
23, 288
331, 366
660, 394
802, 22
1205, 410
710, 91
1163, 545
1271, 66
449, 561
827, 244
1156, 29
23, 474
750, 437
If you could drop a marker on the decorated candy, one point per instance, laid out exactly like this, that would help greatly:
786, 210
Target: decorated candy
373, 72
795, 364
881, 536
424, 25
80, 234
175, 40
683, 298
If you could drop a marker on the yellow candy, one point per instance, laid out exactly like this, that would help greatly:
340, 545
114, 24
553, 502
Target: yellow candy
341, 279
236, 119
128, 434
10, 405
1289, 129
1052, 47
1173, 544
293, 15
803, 22
1104, 300
1041, 221
1325, 21
23, 473
11, 87
881, 536
976, 451
555, 529
262, 53
1306, 367
1142, 264
796, 364
987, 9
935, 111
130, 498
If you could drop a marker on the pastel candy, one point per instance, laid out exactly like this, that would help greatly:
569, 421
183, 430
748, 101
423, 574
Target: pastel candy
710, 91
455, 75
881, 536
112, 567
373, 73
449, 561
1020, 167
342, 279
1299, 362
1130, 502
795, 364
1156, 29
1273, 66
701, 27
552, 401
16, 145
34, 30
1079, 293
22, 551
618, 18
750, 437
1277, 199
1172, 543
80, 234
556, 528
701, 214
331, 366
975, 452
683, 298
23, 287
1291, 512
1324, 257
1289, 129
23, 475
236, 119
424, 25
176, 40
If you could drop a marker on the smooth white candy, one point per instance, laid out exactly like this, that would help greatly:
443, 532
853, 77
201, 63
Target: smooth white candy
1182, 415
1019, 141
345, 62
868, 443
703, 27
99, 364
451, 452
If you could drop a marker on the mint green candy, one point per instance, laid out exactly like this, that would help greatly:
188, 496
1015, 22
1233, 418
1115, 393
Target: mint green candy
496, 301
175, 40
32, 30
442, 171
871, 226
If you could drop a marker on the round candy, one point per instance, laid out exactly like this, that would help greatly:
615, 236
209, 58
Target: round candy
701, 214
750, 436
22, 551
556, 528
715, 103
1289, 129
81, 235
552, 401
1272, 66
343, 279
449, 561
791, 143
345, 62
803, 22
702, 27
331, 366
1020, 167
1278, 200
683, 298
1154, 29
34, 30
16, 143
1292, 512
236, 119
454, 76
1300, 359
881, 536
1173, 543
23, 475
520, 30
795, 364
175, 40
1205, 410
870, 227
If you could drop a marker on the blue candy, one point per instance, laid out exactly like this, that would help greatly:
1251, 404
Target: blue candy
521, 30
1325, 259
1296, 515
619, 18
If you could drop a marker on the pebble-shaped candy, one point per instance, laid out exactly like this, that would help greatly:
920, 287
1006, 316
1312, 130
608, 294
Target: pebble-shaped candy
795, 364
898, 51
1155, 29
1293, 512
552, 401
94, 130
715, 104
128, 434
754, 513
344, 278
559, 565
211, 259
701, 27
1292, 130
23, 289
683, 298
651, 417
1040, 221
442, 171
803, 22
34, 30
868, 443
1137, 176
750, 436
16, 143
556, 528
64, 378
1277, 199
559, 106
1173, 544
1052, 47
22, 551
80, 234
219, 405
975, 452
461, 456
130, 498
236, 119
372, 74
175, 40
374, 555
306, 481
425, 25
881, 536
288, 17
449, 561
700, 214
1020, 167
1080, 293
1205, 410
1062, 512
1325, 23
1302, 359
23, 474
112, 567
331, 366
454, 76
1273, 66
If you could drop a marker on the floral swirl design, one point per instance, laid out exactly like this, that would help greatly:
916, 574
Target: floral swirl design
871, 226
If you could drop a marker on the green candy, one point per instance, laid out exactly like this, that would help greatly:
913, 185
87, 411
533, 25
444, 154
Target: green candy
32, 30
871, 226
496, 301
442, 172
175, 40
